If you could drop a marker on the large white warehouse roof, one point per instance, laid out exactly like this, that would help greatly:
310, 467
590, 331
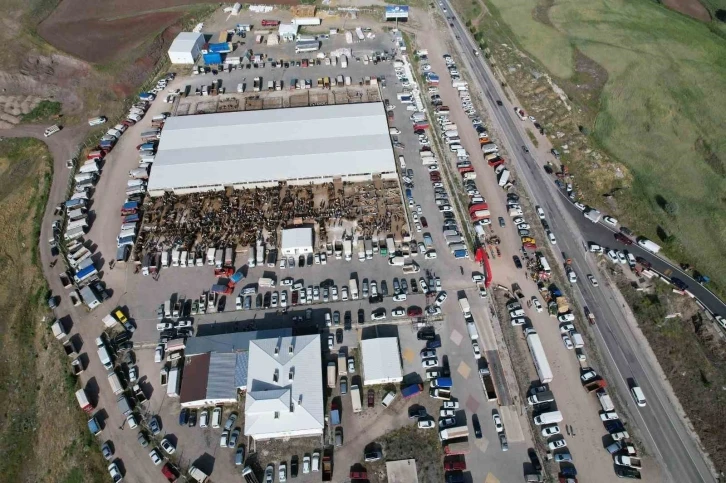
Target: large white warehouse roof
253, 148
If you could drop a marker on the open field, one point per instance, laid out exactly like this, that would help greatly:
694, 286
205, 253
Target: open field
105, 31
37, 388
647, 80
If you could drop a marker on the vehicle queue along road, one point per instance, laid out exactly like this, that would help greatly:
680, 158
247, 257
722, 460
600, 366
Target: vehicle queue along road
663, 428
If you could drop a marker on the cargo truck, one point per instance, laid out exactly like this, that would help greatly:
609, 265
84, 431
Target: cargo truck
353, 286
488, 384
465, 307
453, 433
442, 382
327, 469
83, 401
411, 391
540, 359
331, 375
355, 398
197, 475
172, 387
457, 447
348, 250
606, 401
123, 405
115, 383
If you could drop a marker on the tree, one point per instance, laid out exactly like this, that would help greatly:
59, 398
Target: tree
671, 208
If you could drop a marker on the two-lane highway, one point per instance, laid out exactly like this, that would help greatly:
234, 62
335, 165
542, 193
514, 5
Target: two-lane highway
663, 429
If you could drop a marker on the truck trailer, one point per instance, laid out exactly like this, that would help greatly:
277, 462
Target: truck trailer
488, 384
539, 358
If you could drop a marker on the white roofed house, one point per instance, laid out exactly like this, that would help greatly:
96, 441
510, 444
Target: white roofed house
284, 388
297, 241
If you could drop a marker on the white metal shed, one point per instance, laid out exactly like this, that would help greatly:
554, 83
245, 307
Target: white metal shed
186, 48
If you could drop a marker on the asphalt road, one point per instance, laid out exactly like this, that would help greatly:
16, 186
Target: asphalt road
663, 429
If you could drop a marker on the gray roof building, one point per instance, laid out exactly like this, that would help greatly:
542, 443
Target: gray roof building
259, 148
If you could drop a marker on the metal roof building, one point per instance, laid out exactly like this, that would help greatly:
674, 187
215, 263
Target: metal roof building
185, 49
381, 361
259, 148
285, 388
216, 367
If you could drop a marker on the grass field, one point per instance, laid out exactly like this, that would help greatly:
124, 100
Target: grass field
660, 113
42, 432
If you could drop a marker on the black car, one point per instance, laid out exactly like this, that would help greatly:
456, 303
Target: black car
513, 196
268, 300
293, 466
100, 290
545, 225
449, 215
183, 416
361, 316
310, 258
221, 303
477, 426
680, 284
122, 337
499, 103
517, 262
339, 336
536, 465
501, 222
384, 288
301, 261
416, 411
347, 320
426, 334
627, 472
192, 418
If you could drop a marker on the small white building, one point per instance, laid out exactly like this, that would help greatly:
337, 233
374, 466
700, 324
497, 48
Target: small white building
288, 31
186, 48
285, 388
297, 241
381, 361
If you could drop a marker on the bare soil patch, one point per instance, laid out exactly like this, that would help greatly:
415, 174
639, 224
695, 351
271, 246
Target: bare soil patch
691, 8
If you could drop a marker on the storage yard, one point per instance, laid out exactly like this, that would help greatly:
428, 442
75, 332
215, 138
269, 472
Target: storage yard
304, 272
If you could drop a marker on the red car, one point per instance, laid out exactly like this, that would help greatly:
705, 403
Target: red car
294, 297
358, 475
435, 176
424, 223
453, 465
414, 311
169, 472
623, 239
371, 398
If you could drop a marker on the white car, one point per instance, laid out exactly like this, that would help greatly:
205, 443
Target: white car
323, 258
274, 299
419, 210
394, 131
550, 431
282, 472
580, 206
344, 293
588, 376
610, 220
155, 457
552, 238
447, 412
518, 221
424, 286
238, 302
613, 256
523, 226
116, 475
432, 362
419, 228
283, 264
203, 418
287, 281
398, 312
608, 415
519, 321
306, 464
433, 167
441, 298
572, 276
537, 304
428, 353
379, 314
331, 341
477, 351
566, 318
565, 328
592, 280
622, 259
167, 446
426, 424
131, 420
399, 297
451, 404
283, 298
498, 423
430, 254
568, 342
334, 292
557, 444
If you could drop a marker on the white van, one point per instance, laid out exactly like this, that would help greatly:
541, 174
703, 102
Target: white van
51, 130
638, 395
216, 417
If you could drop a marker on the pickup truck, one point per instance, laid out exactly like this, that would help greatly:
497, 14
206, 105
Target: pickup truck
70, 349
440, 394
630, 461
327, 469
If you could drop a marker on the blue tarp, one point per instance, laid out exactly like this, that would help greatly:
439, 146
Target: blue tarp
212, 58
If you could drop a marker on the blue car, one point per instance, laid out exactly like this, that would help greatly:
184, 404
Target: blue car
183, 417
